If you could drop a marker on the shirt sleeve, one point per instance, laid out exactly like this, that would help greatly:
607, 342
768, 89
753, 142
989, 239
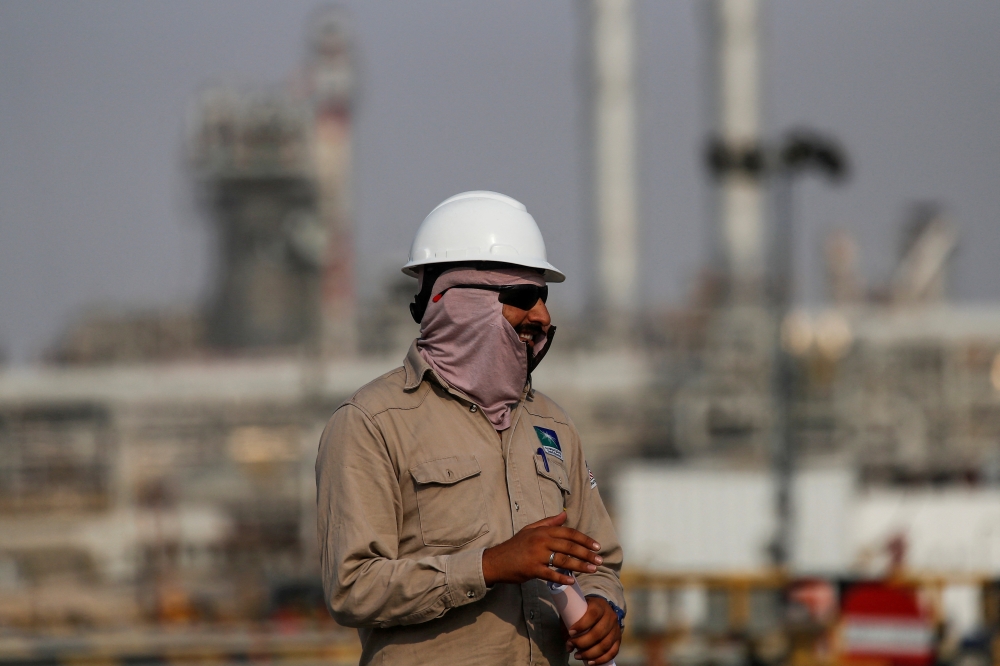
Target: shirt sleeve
359, 510
585, 512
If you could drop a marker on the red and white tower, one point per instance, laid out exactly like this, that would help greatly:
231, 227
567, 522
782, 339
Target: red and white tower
331, 83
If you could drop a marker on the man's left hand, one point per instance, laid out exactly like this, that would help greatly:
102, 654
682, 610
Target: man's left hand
596, 636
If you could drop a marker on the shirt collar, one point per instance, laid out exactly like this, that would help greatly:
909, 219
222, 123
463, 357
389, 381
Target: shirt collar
416, 367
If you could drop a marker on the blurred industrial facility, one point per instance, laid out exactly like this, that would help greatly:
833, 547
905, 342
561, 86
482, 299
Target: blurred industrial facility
792, 485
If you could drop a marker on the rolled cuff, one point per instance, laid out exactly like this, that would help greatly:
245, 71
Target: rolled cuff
603, 585
464, 578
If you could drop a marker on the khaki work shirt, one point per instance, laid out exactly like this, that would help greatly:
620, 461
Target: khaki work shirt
413, 483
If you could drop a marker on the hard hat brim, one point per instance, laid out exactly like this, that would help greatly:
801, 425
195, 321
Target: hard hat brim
549, 272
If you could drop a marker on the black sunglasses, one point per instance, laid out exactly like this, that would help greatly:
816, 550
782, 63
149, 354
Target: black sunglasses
522, 296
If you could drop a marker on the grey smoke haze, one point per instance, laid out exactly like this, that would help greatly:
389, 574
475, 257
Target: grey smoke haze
95, 206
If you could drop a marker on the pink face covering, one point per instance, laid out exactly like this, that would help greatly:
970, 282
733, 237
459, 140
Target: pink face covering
467, 341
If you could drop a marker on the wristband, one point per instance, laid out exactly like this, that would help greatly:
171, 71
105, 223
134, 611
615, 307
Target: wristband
618, 611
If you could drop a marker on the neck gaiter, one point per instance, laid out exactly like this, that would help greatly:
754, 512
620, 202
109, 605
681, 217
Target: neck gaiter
467, 341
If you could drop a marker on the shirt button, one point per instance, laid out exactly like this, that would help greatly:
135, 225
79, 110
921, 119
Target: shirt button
470, 594
531, 615
473, 408
517, 507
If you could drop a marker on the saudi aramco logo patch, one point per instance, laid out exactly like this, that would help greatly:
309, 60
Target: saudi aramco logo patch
550, 442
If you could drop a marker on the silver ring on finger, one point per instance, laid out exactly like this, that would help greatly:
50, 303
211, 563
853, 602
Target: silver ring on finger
552, 558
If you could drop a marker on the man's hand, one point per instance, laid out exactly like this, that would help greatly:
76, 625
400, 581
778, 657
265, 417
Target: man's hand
526, 555
596, 636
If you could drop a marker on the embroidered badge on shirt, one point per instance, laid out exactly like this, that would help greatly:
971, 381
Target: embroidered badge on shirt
550, 442
593, 481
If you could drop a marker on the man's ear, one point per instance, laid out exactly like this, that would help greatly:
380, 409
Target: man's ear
426, 277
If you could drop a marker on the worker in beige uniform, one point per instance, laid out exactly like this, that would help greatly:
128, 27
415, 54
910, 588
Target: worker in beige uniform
449, 490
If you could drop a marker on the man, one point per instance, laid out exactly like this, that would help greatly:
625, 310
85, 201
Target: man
449, 491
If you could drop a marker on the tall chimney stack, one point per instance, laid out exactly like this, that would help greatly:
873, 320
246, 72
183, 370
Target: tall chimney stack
736, 97
331, 81
613, 131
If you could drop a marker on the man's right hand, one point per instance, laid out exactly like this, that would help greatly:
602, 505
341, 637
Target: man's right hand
526, 555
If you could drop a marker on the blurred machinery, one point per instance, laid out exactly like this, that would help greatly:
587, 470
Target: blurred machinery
273, 170
774, 618
173, 494
156, 470
896, 378
271, 167
253, 158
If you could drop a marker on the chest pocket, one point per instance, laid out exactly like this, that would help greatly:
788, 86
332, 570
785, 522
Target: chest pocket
450, 501
553, 484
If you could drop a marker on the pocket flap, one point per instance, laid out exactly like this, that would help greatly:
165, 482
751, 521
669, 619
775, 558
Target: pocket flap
556, 472
446, 471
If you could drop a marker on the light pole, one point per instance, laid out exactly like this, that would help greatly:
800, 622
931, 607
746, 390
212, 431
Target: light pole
801, 152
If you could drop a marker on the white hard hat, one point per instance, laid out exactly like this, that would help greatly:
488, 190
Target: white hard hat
480, 226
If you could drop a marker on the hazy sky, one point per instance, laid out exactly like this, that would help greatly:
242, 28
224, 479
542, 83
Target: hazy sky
95, 207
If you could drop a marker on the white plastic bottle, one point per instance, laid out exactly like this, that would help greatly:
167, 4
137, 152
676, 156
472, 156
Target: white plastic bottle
569, 601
